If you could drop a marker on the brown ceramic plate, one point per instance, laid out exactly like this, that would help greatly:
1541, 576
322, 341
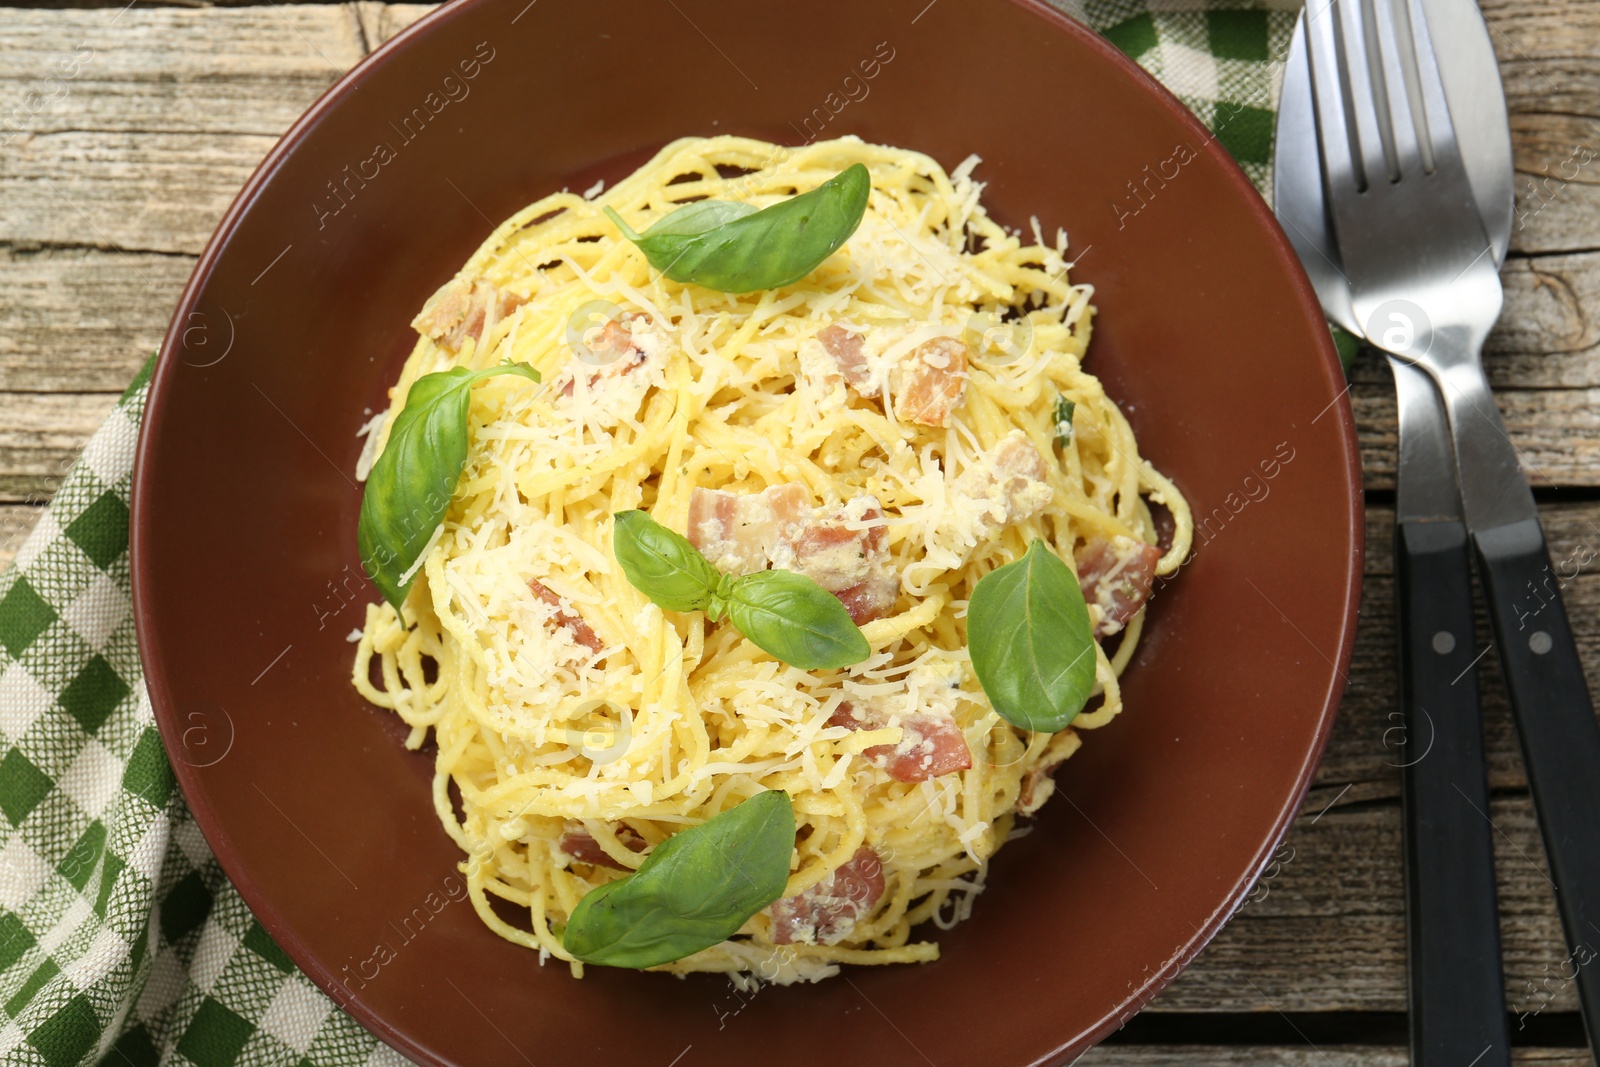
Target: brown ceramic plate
246, 577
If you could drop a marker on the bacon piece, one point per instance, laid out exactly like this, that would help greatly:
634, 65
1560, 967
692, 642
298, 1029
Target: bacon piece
825, 913
609, 351
869, 600
829, 545
1117, 575
850, 563
1037, 786
580, 844
1013, 467
933, 747
1004, 484
744, 532
739, 532
929, 381
462, 309
715, 531
931, 744
614, 349
574, 623
844, 345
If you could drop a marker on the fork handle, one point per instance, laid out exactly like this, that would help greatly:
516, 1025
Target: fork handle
1457, 992
1560, 735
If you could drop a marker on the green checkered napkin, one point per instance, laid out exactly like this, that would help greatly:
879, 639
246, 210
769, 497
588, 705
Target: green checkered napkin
121, 941
1223, 60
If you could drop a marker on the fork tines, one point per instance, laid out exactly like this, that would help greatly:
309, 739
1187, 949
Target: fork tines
1378, 90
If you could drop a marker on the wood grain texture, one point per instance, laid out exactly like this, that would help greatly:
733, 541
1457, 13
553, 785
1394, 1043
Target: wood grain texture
1548, 62
41, 435
1362, 750
134, 130
81, 320
188, 71
1330, 916
380, 22
124, 134
1325, 930
1556, 432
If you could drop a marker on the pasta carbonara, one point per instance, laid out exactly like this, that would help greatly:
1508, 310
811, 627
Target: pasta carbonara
895, 425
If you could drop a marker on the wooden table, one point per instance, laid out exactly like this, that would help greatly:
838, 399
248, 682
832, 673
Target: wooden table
125, 132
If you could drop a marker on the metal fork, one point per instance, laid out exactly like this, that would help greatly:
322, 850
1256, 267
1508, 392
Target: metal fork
1425, 287
1457, 992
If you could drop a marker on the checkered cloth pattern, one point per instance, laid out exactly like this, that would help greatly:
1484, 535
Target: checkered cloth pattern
1223, 60
121, 941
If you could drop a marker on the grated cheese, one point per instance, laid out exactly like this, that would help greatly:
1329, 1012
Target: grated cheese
592, 703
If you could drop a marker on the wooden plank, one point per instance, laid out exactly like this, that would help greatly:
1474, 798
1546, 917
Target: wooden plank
1325, 930
1551, 71
1548, 336
1547, 55
111, 163
1556, 431
171, 69
98, 70
1363, 752
135, 129
82, 320
79, 320
41, 435
380, 22
1552, 76
156, 192
1558, 181
110, 105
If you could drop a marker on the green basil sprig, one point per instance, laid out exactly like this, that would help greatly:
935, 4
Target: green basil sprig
662, 564
786, 615
694, 890
1031, 642
734, 248
409, 487
792, 618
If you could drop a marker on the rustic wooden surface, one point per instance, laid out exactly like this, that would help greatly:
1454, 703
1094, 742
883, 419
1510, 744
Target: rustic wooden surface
119, 175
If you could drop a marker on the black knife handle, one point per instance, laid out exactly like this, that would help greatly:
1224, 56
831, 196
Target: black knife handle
1559, 732
1458, 1005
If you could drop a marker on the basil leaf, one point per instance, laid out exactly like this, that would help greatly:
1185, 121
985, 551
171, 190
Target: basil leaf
792, 618
736, 249
785, 614
662, 564
1031, 642
1064, 410
409, 487
694, 890
691, 220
